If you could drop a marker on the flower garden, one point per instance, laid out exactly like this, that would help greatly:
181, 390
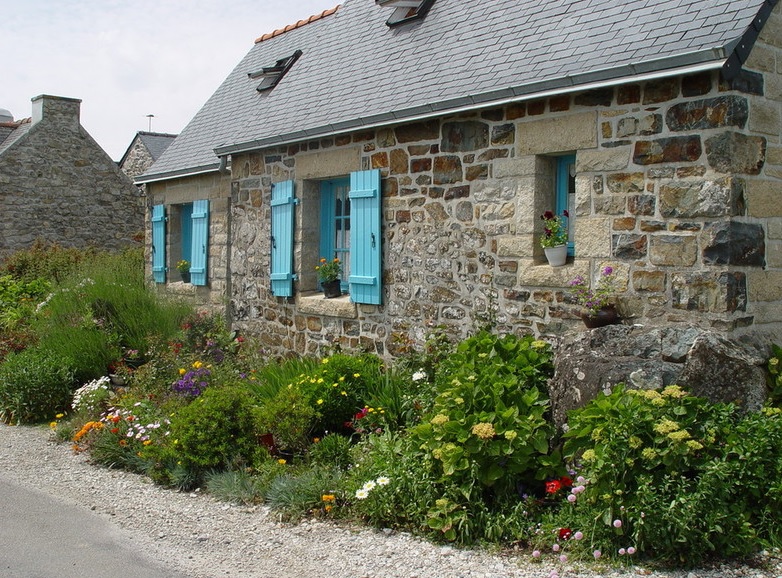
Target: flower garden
452, 441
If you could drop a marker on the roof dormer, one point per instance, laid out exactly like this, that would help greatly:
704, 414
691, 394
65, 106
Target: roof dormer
405, 10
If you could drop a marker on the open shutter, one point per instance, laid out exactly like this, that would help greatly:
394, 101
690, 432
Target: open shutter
365, 244
281, 274
200, 242
159, 243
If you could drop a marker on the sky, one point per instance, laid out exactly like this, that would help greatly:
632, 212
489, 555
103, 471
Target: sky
127, 59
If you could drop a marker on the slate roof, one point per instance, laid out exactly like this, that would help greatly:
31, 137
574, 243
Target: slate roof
357, 72
10, 132
155, 142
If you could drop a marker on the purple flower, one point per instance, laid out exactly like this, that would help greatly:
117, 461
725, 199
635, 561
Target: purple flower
617, 523
607, 271
597, 554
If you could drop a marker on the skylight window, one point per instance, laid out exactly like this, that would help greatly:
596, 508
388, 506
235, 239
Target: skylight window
405, 10
271, 75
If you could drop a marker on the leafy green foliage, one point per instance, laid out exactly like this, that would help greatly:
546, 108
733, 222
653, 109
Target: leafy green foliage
673, 476
34, 385
775, 374
217, 431
289, 418
338, 388
488, 424
332, 451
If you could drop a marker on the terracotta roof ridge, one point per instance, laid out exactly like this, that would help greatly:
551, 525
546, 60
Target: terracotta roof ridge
298, 24
16, 123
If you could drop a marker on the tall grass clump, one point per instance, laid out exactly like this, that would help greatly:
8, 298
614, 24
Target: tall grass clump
102, 309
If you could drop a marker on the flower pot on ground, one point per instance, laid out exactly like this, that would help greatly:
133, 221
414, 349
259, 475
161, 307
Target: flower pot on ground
556, 256
606, 315
332, 289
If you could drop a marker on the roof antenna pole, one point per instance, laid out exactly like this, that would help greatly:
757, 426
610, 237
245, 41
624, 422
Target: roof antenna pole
150, 117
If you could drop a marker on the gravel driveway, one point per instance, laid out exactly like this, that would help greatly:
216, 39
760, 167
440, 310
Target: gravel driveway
203, 538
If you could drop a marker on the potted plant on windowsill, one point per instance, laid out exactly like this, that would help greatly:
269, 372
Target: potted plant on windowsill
329, 274
597, 309
554, 237
183, 267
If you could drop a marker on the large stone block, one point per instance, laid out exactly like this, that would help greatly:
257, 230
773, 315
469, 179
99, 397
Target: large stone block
718, 292
718, 198
734, 152
588, 161
464, 136
764, 198
649, 281
427, 130
543, 275
447, 169
764, 285
525, 166
328, 163
667, 150
624, 183
673, 250
560, 134
629, 246
593, 237
735, 243
721, 111
765, 119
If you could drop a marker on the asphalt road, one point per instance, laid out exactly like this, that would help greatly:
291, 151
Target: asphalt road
41, 537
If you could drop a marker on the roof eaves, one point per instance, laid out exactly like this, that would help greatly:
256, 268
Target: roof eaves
189, 172
738, 49
708, 59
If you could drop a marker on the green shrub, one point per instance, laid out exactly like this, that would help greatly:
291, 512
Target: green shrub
334, 450
217, 431
775, 375
46, 261
35, 384
337, 389
489, 422
673, 476
289, 418
103, 310
267, 380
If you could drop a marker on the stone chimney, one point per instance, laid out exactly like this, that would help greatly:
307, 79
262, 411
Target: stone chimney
57, 109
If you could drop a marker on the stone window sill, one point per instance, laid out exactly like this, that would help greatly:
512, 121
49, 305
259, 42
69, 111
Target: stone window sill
541, 274
313, 303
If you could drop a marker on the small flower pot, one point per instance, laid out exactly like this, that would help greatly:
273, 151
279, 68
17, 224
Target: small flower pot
332, 289
556, 256
185, 276
604, 316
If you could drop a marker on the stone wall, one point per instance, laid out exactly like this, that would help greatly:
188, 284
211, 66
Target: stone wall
57, 184
137, 160
216, 188
678, 186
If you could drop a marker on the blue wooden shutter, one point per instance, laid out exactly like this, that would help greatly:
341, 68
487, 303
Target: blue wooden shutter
159, 243
365, 244
281, 274
200, 242
566, 195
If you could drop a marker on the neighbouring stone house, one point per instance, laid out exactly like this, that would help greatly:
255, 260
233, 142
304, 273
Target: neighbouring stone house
59, 186
145, 148
422, 141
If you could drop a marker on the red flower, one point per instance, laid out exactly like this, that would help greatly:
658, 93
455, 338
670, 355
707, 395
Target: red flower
553, 486
548, 215
565, 212
564, 533
566, 481
363, 413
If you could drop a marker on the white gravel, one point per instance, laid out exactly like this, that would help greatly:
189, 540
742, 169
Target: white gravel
203, 538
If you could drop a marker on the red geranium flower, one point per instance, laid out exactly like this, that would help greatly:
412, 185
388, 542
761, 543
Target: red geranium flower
566, 481
553, 486
564, 533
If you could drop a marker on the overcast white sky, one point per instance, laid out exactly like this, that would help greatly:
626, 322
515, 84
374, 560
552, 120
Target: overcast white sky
126, 59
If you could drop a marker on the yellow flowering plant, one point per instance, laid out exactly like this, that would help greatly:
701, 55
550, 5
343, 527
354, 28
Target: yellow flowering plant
183, 266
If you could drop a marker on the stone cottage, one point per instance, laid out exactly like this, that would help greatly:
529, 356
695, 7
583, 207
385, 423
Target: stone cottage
420, 141
145, 148
59, 186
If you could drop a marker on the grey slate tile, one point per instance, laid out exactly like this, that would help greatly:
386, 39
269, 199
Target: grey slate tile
355, 68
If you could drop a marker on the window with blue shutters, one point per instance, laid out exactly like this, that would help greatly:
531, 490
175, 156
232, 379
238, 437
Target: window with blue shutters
565, 185
282, 220
199, 246
159, 243
335, 224
365, 277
